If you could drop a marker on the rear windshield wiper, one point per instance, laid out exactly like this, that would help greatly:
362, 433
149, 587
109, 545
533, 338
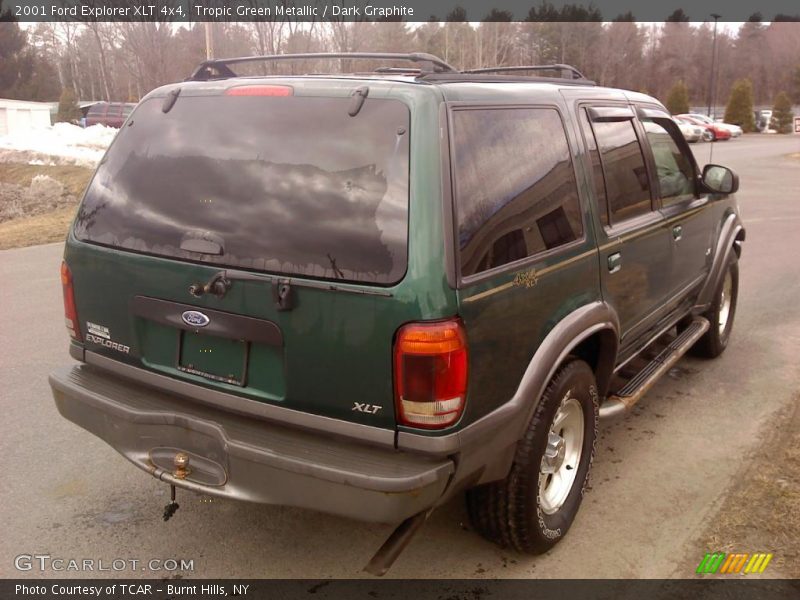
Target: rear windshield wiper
203, 242
282, 294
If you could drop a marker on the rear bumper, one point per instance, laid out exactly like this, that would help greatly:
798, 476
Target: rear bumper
246, 458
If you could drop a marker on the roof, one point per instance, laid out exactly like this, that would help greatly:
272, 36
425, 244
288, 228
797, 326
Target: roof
425, 70
25, 104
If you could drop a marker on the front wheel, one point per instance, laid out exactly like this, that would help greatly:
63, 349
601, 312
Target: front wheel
534, 506
720, 314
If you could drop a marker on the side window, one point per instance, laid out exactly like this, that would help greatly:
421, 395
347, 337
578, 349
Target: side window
673, 168
516, 193
627, 185
598, 181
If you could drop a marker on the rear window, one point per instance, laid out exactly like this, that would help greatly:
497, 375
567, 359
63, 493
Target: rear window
290, 185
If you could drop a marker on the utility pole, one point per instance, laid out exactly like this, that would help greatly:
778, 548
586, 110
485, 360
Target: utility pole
209, 40
713, 64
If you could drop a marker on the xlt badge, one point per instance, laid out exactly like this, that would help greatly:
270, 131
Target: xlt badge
366, 408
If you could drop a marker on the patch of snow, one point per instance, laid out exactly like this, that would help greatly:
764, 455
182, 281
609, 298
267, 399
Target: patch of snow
62, 143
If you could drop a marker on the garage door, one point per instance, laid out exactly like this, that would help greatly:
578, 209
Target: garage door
23, 121
3, 121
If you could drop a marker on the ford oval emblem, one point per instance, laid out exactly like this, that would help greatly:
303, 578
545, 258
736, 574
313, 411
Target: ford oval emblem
195, 318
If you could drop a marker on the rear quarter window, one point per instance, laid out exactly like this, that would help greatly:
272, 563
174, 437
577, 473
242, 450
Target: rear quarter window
516, 192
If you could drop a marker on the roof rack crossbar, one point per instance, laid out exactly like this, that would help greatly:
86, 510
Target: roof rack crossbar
220, 69
572, 72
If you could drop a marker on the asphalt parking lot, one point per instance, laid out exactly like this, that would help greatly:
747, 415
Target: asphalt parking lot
659, 474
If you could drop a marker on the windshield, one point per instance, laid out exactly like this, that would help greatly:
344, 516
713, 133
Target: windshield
290, 185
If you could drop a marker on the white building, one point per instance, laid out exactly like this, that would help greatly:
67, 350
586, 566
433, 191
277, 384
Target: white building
17, 116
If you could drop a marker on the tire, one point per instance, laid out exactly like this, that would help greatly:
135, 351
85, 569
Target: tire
529, 510
715, 340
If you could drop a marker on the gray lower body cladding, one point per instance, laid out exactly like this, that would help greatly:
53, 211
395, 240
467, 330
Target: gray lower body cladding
240, 457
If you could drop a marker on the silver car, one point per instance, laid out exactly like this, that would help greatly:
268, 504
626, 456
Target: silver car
692, 133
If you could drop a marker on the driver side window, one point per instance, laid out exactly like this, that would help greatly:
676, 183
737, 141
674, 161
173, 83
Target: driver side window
674, 170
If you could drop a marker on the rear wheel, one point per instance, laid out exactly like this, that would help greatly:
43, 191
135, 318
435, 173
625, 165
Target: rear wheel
720, 314
532, 508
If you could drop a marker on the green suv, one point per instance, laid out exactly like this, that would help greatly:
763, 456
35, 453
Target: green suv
366, 293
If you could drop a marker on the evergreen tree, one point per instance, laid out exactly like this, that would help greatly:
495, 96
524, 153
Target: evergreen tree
740, 106
678, 16
678, 99
68, 109
15, 59
796, 85
782, 115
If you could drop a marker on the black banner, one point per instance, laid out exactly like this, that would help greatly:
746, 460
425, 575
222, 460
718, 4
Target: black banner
396, 10
735, 588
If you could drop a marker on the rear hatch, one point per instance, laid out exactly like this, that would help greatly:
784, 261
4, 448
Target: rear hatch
250, 239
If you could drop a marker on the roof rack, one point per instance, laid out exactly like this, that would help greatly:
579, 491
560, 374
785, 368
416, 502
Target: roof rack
567, 71
220, 68
430, 69
500, 78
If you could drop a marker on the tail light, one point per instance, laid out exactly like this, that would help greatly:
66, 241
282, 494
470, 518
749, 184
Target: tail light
430, 373
70, 312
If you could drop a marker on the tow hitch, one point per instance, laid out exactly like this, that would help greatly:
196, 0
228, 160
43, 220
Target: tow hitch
173, 506
181, 462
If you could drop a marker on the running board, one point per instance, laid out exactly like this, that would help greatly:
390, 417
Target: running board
640, 383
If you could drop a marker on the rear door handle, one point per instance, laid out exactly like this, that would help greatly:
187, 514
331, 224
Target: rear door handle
677, 232
614, 262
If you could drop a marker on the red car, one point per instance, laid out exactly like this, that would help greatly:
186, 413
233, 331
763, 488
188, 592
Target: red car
110, 114
713, 133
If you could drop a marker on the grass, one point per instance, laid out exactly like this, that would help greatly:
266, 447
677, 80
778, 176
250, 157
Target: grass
761, 513
39, 229
48, 227
74, 179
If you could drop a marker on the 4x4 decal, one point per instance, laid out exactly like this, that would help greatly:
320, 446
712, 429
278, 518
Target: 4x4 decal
526, 279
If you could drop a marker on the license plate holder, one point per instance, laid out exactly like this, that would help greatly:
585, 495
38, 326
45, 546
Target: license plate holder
212, 357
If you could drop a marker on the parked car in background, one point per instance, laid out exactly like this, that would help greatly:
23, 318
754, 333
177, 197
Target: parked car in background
110, 114
691, 133
734, 130
713, 131
763, 120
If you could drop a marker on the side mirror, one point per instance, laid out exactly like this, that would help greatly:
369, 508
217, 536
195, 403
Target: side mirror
720, 180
